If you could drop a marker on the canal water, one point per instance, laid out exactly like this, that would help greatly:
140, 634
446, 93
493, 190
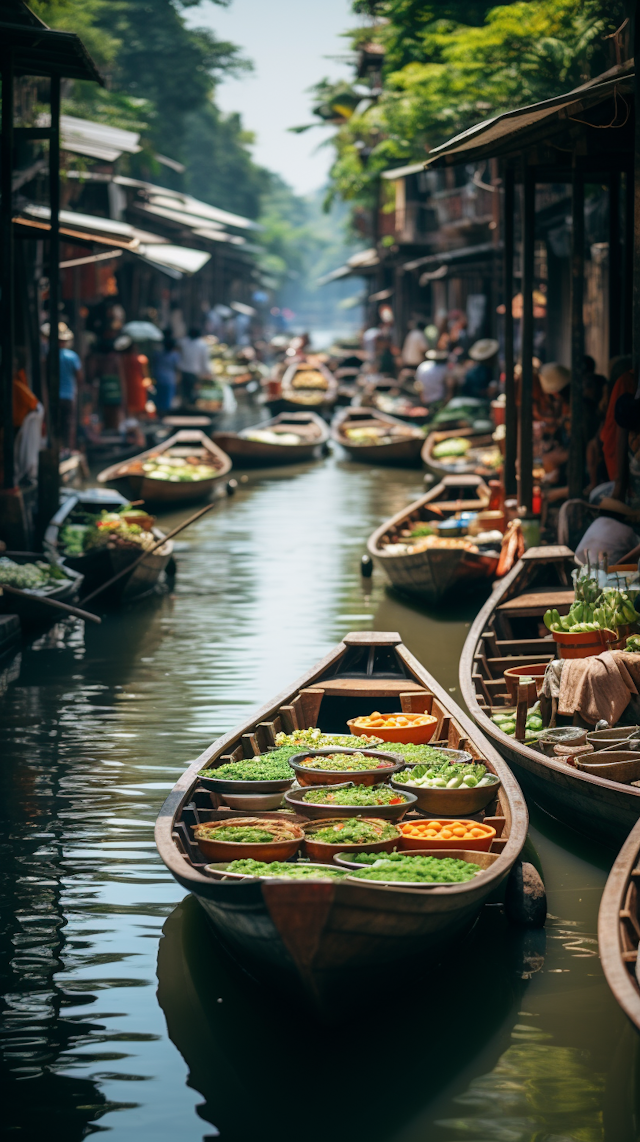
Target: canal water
119, 1013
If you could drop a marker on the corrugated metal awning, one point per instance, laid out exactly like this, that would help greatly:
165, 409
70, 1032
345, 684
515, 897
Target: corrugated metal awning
404, 172
96, 140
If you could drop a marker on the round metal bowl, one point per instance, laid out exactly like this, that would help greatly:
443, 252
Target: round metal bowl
295, 798
561, 735
324, 852
483, 860
308, 776
253, 802
225, 785
218, 872
450, 802
616, 736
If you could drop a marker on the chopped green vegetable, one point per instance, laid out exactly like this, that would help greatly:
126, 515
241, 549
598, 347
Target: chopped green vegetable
347, 762
355, 795
316, 739
420, 870
29, 576
237, 834
415, 753
281, 868
265, 767
354, 833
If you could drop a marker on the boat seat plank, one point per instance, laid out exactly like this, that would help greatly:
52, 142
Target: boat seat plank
553, 554
539, 598
515, 646
359, 687
499, 665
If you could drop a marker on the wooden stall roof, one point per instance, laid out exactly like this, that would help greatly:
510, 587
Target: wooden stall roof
38, 50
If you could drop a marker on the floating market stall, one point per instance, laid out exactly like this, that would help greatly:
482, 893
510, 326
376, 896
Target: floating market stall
289, 438
374, 438
187, 466
95, 534
619, 927
38, 579
461, 451
322, 930
439, 544
536, 618
305, 386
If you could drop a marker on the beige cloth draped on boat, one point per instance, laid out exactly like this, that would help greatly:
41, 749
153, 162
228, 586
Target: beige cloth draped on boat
599, 687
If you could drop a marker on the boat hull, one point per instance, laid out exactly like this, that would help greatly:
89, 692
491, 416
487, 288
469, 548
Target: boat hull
35, 615
399, 453
135, 485
619, 928
441, 468
245, 452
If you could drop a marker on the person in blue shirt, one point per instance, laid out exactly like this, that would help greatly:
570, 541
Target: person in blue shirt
70, 374
165, 367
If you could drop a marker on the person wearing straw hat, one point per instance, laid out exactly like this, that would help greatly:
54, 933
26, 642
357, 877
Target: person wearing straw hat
478, 378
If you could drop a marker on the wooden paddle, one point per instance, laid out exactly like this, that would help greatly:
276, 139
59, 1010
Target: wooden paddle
69, 610
149, 551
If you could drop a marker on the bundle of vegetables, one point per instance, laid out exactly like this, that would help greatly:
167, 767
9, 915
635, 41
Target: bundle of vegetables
455, 447
633, 644
533, 725
595, 608
420, 870
30, 576
280, 868
272, 766
315, 739
355, 795
353, 832
346, 762
112, 527
465, 775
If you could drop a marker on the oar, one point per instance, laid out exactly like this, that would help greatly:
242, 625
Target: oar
51, 603
149, 551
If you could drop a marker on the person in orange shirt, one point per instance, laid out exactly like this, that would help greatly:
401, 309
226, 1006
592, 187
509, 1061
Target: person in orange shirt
136, 376
24, 400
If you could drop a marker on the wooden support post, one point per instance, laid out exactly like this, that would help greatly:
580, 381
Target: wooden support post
628, 262
48, 476
6, 265
511, 413
635, 324
527, 696
615, 266
577, 444
525, 435
416, 702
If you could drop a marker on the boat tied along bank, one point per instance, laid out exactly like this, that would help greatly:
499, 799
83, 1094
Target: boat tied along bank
186, 467
462, 451
317, 936
289, 438
375, 438
593, 792
423, 556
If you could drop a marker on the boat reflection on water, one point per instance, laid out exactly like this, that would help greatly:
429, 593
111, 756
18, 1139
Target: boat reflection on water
249, 1049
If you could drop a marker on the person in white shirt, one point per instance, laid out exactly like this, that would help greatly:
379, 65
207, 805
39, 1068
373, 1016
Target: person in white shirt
431, 375
415, 346
193, 364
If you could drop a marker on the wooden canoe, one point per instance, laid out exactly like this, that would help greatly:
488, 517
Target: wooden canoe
310, 427
96, 567
619, 927
460, 465
404, 450
506, 633
431, 574
33, 614
318, 937
130, 479
293, 399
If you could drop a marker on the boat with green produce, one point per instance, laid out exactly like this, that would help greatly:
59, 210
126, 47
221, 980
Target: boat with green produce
364, 766
416, 555
462, 451
408, 869
323, 839
372, 437
188, 466
305, 385
274, 870
289, 438
97, 533
39, 578
510, 631
317, 939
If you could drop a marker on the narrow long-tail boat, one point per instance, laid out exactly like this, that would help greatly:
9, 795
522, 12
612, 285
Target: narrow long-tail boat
506, 633
320, 936
431, 573
619, 927
259, 444
481, 447
400, 443
191, 447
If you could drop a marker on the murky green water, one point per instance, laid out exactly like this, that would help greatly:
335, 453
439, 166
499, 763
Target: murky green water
517, 1039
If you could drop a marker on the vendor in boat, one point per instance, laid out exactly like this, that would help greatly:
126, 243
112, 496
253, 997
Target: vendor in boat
551, 410
483, 370
432, 376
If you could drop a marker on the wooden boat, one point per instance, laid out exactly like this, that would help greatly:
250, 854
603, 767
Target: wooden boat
131, 479
470, 463
619, 927
318, 937
33, 614
403, 447
507, 633
434, 572
96, 567
308, 426
294, 397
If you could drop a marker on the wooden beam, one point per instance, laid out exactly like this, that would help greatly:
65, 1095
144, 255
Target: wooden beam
6, 268
628, 263
511, 413
615, 266
525, 435
635, 323
576, 445
53, 363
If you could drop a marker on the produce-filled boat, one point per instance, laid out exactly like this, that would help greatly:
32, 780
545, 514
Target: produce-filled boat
187, 466
306, 385
39, 578
96, 534
619, 927
461, 451
421, 560
375, 438
289, 438
509, 633
319, 936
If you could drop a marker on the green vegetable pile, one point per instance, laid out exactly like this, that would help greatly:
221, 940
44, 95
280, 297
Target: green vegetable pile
177, 469
533, 725
413, 754
30, 576
265, 767
420, 870
595, 608
633, 644
355, 795
463, 775
109, 527
238, 835
453, 448
354, 833
315, 739
347, 762
280, 868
